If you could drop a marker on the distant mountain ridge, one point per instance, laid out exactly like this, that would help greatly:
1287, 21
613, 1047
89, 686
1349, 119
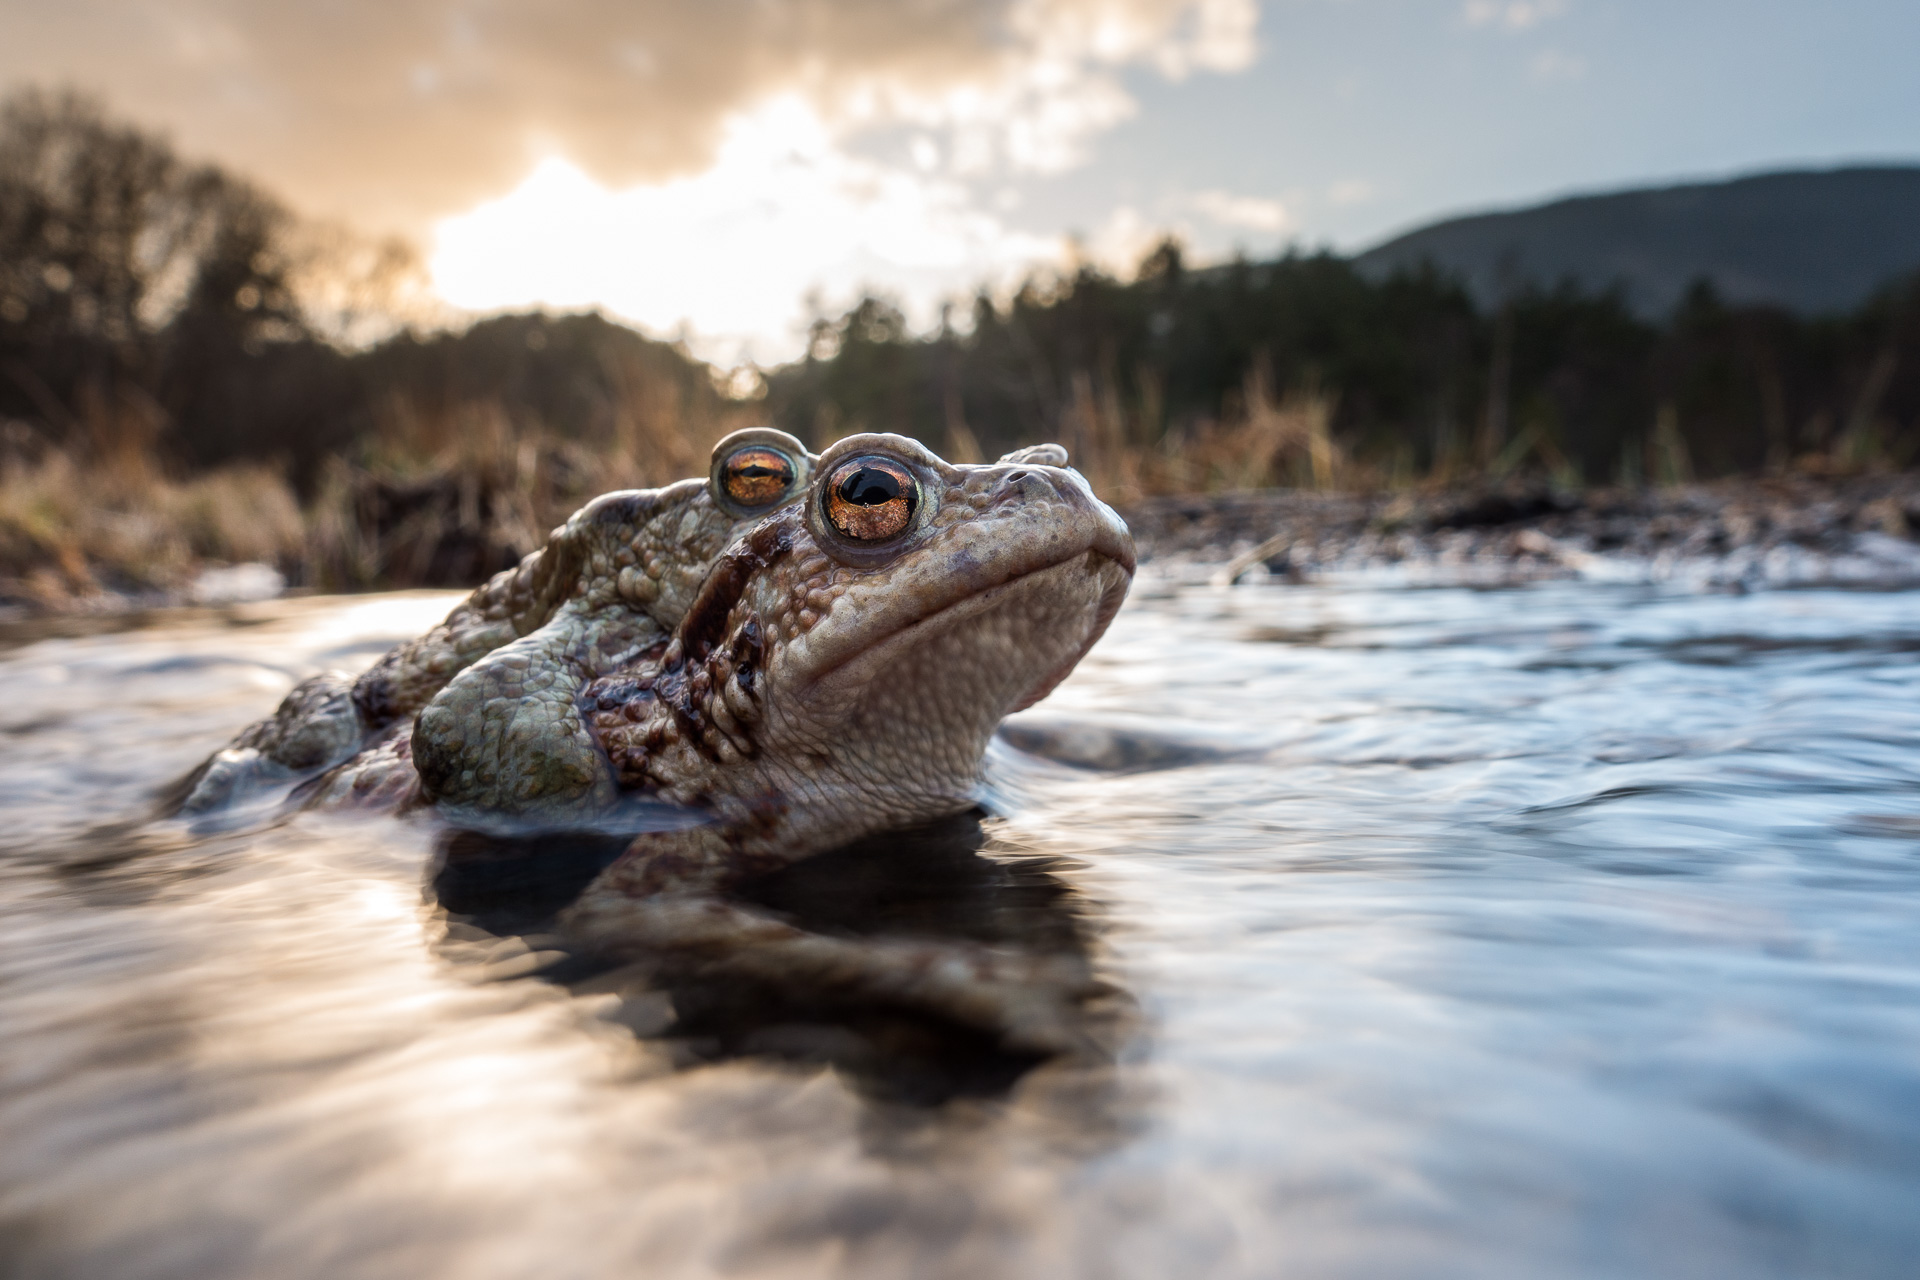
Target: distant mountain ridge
1814, 241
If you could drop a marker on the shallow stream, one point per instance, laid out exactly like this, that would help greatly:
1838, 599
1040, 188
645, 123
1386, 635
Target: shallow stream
1562, 931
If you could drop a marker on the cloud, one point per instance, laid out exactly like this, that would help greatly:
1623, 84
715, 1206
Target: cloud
781, 221
699, 169
395, 112
1514, 15
1250, 213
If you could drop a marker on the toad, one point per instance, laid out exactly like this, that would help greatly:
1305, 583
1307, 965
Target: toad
790, 656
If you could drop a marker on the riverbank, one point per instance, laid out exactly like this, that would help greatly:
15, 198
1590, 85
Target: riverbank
120, 533
1731, 534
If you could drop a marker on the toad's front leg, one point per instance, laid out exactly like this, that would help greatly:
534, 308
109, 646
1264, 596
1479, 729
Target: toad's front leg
506, 737
667, 904
316, 726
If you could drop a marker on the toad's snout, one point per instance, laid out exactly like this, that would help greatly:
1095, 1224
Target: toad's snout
1061, 492
1070, 504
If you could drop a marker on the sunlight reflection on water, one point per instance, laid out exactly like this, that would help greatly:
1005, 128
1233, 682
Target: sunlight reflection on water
1563, 931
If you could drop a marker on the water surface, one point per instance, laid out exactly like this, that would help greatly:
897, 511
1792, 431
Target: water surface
1568, 931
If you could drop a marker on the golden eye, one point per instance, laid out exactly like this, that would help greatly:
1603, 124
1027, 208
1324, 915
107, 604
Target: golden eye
871, 499
757, 476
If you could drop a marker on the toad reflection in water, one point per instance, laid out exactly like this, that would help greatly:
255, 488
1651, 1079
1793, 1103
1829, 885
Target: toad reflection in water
933, 884
791, 656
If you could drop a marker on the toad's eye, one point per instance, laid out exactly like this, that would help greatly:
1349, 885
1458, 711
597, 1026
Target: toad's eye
756, 476
870, 499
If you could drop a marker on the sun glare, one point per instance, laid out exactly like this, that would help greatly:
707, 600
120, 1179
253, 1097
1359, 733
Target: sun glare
725, 257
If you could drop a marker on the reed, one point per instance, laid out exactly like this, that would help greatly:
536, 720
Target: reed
436, 494
71, 530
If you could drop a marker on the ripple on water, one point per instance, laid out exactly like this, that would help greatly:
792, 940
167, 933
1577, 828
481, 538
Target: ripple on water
1569, 930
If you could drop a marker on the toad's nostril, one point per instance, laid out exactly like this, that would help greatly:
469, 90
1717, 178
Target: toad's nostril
1027, 486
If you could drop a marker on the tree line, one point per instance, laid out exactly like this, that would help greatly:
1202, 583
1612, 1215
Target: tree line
155, 306
1411, 378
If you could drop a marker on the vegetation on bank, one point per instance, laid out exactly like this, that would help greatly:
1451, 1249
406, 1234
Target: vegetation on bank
191, 373
1302, 372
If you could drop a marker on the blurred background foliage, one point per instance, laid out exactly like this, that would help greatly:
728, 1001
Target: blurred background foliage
190, 373
1301, 371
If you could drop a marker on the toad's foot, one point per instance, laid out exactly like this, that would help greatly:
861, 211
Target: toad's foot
316, 727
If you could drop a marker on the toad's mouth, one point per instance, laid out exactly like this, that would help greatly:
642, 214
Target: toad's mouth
1068, 602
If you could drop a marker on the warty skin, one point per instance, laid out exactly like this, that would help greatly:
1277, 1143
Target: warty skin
618, 575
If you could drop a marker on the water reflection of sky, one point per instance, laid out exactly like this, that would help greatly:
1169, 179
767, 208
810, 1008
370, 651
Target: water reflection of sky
1566, 931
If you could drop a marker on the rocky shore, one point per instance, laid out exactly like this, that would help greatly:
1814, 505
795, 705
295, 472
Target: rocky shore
1726, 535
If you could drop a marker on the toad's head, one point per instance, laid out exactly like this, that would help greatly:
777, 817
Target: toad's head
846, 660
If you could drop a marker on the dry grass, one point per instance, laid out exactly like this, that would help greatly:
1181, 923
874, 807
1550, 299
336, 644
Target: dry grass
438, 497
1264, 440
447, 496
70, 530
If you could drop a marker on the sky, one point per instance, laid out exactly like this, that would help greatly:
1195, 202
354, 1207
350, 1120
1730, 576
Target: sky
722, 171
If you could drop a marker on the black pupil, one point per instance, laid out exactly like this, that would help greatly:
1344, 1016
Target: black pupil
869, 487
761, 471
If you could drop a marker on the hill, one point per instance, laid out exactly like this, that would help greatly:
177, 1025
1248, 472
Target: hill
1814, 242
